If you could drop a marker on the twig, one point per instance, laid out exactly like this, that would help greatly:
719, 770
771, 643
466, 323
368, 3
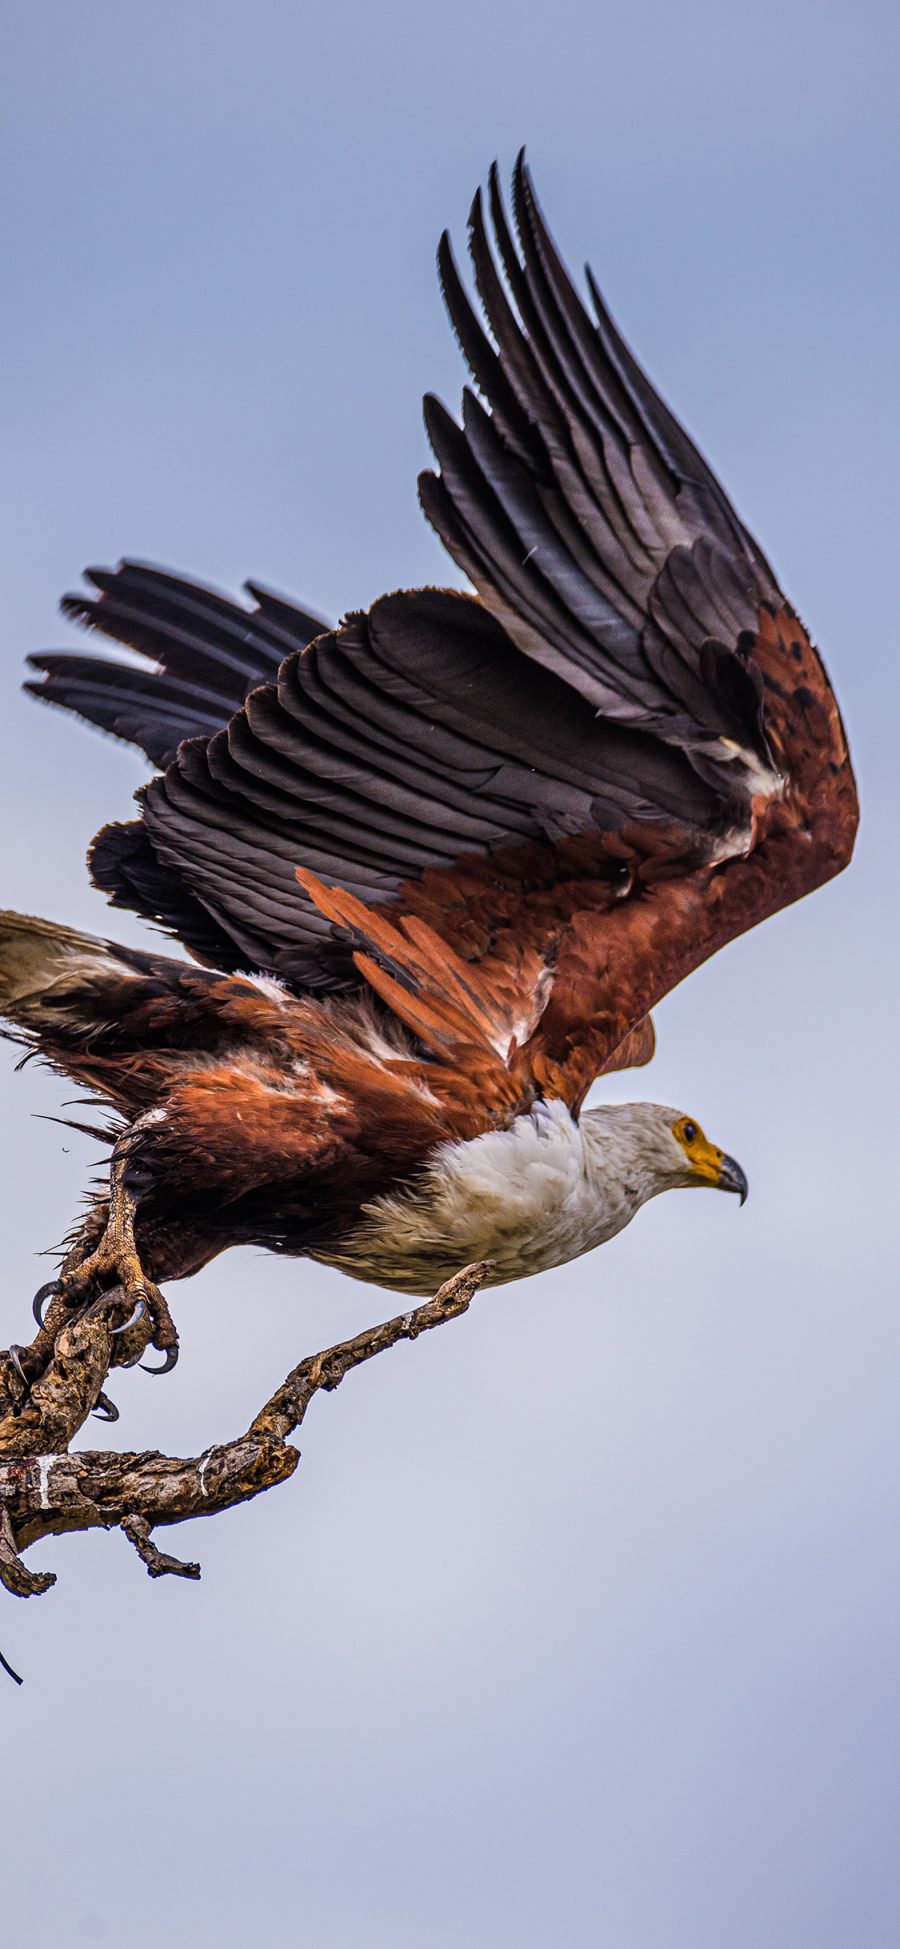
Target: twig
288, 1405
137, 1530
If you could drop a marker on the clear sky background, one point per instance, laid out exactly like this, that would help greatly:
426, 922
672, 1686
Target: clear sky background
578, 1624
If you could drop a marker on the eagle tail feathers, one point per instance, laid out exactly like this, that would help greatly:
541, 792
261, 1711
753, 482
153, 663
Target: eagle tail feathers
44, 965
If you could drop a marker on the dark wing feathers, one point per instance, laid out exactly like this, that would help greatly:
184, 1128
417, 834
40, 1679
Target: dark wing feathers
208, 653
588, 775
144, 707
408, 739
566, 503
124, 863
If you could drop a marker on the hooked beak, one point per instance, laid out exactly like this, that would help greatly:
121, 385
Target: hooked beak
732, 1178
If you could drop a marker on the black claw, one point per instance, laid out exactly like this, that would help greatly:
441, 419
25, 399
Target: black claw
104, 1408
138, 1314
169, 1359
15, 1353
42, 1296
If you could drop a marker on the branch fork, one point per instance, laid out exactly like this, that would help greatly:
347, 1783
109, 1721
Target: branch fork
47, 1491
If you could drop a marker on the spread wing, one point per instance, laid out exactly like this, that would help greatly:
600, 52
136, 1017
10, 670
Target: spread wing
619, 754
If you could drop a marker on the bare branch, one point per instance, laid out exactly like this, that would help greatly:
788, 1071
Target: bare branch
46, 1491
65, 1367
137, 1530
14, 1574
287, 1407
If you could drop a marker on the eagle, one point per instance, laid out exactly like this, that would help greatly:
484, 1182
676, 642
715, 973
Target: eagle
433, 868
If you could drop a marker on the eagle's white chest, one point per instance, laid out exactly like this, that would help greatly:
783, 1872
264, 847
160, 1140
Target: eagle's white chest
529, 1197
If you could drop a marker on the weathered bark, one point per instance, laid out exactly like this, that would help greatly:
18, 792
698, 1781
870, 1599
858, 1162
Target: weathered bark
46, 1491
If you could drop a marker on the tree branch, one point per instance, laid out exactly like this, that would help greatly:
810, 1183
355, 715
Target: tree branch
46, 1491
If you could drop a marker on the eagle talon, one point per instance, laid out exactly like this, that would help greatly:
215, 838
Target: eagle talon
104, 1408
140, 1309
15, 1353
169, 1360
43, 1297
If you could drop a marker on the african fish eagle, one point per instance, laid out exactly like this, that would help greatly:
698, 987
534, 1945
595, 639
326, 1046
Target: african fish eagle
434, 867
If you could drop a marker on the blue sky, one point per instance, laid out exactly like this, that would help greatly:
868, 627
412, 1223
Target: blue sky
578, 1622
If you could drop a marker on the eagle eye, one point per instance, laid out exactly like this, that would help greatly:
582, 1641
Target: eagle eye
689, 1132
